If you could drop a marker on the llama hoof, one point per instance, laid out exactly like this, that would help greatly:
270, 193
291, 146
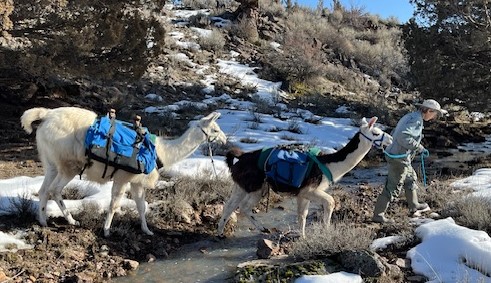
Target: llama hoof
43, 223
266, 230
148, 232
221, 237
107, 233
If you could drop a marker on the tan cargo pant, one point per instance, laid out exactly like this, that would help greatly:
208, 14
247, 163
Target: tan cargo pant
401, 174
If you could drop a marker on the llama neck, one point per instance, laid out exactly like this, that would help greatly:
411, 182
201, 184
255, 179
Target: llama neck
173, 151
348, 157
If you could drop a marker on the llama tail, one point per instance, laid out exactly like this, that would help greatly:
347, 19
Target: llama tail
231, 154
30, 116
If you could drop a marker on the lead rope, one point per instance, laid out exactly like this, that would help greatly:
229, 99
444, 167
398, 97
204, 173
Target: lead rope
208, 141
212, 161
424, 154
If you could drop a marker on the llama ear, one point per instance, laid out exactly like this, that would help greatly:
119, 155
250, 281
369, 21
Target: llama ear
205, 121
212, 116
372, 121
364, 122
216, 115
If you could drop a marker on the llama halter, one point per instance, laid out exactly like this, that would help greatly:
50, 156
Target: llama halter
376, 142
209, 141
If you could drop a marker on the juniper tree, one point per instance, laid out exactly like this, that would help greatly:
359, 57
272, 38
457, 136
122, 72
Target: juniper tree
449, 42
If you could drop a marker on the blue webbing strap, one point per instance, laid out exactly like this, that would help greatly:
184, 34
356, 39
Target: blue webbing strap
424, 154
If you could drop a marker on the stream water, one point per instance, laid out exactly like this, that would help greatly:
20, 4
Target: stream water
216, 260
213, 260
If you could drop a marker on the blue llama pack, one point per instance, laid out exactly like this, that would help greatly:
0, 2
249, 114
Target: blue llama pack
287, 166
119, 144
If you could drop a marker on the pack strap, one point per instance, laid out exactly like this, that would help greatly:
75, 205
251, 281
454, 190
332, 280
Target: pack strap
108, 145
322, 167
263, 158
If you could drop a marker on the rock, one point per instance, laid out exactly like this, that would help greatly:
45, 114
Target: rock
212, 212
150, 258
403, 263
84, 277
364, 263
129, 264
416, 278
266, 248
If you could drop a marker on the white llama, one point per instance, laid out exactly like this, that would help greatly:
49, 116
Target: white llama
60, 142
250, 180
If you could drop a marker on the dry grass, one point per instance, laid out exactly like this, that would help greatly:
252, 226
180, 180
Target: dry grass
187, 195
272, 7
215, 41
321, 241
22, 207
469, 211
473, 212
90, 215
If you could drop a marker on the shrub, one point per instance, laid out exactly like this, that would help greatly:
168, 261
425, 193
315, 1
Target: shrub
300, 60
321, 241
22, 207
199, 4
215, 41
90, 216
272, 7
188, 194
473, 212
294, 126
248, 140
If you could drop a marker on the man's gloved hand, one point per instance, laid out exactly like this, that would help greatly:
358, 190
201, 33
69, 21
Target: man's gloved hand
422, 150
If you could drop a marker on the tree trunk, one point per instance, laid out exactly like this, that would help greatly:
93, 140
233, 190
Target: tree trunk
248, 16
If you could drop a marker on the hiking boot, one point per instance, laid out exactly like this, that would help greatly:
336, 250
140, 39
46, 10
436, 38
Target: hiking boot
420, 208
415, 208
380, 208
382, 219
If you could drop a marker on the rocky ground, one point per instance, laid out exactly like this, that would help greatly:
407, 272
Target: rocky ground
63, 253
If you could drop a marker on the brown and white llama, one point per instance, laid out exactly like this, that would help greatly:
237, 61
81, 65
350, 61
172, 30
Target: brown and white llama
251, 183
60, 141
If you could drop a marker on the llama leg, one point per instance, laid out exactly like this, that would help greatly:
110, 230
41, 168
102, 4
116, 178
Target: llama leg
138, 194
302, 212
117, 193
327, 202
230, 206
246, 206
44, 194
56, 187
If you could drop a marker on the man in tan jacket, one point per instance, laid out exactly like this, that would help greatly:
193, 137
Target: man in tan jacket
399, 155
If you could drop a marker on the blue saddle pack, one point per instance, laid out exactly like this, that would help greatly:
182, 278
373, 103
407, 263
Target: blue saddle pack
118, 144
287, 166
